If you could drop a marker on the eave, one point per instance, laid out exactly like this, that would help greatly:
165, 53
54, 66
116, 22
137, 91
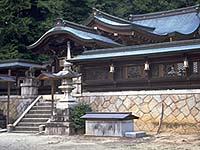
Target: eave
142, 51
72, 33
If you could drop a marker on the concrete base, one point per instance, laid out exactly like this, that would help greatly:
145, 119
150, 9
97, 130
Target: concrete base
59, 128
108, 128
138, 134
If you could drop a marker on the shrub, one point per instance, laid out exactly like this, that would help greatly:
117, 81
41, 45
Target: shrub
79, 110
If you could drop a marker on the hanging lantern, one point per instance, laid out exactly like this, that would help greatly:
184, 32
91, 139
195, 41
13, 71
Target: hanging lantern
146, 66
112, 68
185, 63
115, 34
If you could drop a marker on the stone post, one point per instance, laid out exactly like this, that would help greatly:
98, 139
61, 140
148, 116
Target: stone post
61, 122
29, 88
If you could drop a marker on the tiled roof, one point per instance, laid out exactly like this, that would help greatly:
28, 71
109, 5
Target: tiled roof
183, 21
142, 50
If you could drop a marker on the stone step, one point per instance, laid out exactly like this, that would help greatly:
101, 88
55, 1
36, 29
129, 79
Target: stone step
137, 134
26, 128
26, 132
43, 104
31, 123
39, 111
41, 108
37, 115
34, 120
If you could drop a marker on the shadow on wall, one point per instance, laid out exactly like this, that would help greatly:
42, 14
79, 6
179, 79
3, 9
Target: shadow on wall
2, 120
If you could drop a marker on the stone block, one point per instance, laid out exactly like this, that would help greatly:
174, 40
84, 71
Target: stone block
191, 102
10, 128
118, 103
128, 103
194, 111
41, 128
122, 97
138, 101
147, 99
157, 98
122, 108
185, 111
152, 104
168, 101
145, 108
180, 104
167, 111
59, 128
138, 134
134, 109
106, 104
113, 99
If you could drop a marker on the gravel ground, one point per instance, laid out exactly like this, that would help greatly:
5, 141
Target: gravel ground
163, 141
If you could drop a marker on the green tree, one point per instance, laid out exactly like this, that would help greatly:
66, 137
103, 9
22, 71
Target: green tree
21, 23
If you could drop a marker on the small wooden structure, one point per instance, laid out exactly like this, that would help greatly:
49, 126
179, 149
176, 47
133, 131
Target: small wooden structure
50, 77
109, 123
7, 79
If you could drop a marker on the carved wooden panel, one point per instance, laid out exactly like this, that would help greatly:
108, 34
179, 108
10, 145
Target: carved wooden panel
134, 71
96, 73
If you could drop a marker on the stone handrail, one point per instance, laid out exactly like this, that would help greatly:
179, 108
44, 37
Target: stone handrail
27, 110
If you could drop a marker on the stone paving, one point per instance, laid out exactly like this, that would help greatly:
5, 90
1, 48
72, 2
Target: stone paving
13, 141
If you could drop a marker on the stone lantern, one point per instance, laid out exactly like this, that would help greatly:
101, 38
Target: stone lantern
67, 86
61, 122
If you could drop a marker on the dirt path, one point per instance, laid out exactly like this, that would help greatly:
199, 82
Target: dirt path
163, 141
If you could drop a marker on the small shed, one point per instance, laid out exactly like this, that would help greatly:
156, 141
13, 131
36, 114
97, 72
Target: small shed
109, 123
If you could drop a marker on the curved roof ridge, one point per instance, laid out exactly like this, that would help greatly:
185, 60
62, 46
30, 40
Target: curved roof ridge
81, 27
96, 14
99, 13
164, 13
79, 34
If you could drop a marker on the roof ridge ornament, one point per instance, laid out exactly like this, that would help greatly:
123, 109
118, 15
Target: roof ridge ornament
96, 12
130, 17
197, 8
59, 22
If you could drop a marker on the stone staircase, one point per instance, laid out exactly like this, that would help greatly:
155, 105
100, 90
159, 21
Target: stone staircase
39, 114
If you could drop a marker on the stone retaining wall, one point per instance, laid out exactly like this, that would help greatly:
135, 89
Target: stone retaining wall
181, 108
17, 106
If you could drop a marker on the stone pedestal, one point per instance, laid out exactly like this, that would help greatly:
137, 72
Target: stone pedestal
10, 128
59, 128
29, 88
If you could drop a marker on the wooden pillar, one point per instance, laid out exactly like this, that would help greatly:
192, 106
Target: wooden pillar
52, 93
52, 98
68, 50
8, 100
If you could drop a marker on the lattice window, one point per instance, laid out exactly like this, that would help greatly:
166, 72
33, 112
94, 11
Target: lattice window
174, 69
195, 67
180, 69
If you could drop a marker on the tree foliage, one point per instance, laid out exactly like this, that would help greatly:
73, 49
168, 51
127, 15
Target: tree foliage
22, 22
79, 110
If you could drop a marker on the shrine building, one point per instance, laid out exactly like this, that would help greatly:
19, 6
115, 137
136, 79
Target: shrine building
148, 64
